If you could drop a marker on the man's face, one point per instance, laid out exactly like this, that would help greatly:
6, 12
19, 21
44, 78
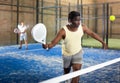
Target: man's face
21, 23
76, 21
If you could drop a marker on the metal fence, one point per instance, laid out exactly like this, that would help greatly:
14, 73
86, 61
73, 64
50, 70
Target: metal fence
96, 17
54, 15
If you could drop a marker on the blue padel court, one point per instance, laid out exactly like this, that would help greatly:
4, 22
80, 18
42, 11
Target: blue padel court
36, 64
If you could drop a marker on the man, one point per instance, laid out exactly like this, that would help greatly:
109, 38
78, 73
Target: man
23, 35
71, 35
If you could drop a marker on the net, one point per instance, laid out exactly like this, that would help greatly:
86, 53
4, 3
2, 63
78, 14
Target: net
87, 70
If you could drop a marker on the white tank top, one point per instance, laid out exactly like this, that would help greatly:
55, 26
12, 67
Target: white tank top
72, 42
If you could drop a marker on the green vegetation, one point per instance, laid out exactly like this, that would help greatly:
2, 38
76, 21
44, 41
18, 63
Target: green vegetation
90, 42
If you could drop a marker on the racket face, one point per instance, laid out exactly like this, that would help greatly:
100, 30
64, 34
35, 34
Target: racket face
39, 33
16, 30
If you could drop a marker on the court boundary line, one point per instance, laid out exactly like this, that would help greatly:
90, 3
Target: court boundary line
80, 72
24, 51
21, 51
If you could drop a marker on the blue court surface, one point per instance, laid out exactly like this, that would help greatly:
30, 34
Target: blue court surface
36, 64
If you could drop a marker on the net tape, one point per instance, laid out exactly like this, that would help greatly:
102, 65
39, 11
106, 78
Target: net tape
80, 72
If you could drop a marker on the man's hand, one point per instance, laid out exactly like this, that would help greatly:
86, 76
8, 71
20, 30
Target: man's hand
45, 46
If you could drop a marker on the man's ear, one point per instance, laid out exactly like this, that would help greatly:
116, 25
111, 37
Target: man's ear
69, 20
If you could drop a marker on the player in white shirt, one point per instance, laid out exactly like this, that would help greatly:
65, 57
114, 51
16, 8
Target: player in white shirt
23, 34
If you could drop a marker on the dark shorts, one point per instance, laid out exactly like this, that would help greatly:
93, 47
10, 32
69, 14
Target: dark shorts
74, 59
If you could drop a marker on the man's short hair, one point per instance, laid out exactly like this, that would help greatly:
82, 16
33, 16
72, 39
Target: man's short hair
73, 14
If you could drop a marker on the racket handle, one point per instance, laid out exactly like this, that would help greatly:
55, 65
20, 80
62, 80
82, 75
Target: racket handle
47, 48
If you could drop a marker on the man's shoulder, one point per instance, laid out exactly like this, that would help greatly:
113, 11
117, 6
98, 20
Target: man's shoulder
83, 25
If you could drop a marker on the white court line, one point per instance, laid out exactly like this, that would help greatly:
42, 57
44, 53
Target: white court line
80, 72
21, 51
27, 50
59, 61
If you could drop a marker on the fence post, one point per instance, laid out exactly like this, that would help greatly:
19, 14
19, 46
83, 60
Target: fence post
37, 11
107, 22
17, 19
104, 22
42, 3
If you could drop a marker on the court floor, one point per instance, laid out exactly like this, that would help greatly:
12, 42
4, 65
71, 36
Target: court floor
36, 64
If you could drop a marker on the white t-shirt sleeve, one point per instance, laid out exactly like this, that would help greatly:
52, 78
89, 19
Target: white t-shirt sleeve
19, 27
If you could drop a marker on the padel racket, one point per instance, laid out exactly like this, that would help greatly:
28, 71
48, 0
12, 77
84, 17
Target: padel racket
39, 33
16, 30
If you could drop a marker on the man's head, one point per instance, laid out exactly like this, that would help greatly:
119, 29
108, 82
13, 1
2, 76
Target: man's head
22, 23
74, 18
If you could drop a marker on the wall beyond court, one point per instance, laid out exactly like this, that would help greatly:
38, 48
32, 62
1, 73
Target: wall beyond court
49, 12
